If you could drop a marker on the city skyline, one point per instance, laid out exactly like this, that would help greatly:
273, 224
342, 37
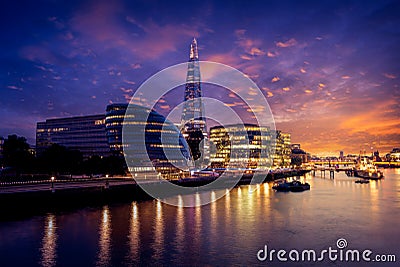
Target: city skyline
333, 85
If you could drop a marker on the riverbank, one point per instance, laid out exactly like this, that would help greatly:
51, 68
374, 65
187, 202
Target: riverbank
30, 199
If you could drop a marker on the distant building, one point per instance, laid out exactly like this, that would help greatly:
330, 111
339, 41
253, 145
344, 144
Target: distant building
394, 155
230, 141
282, 150
295, 146
341, 155
298, 155
376, 157
84, 133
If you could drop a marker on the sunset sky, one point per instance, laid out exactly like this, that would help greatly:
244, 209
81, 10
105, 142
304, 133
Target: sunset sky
329, 69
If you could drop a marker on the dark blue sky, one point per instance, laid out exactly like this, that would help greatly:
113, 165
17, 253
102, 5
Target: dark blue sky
330, 69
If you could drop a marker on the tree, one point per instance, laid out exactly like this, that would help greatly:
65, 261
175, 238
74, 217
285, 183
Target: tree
59, 159
16, 154
115, 165
296, 161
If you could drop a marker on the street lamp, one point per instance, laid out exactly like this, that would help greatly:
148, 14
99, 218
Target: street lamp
52, 183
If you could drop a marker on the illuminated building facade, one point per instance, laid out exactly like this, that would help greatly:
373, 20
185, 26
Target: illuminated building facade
85, 133
164, 152
232, 149
282, 150
193, 122
115, 114
394, 155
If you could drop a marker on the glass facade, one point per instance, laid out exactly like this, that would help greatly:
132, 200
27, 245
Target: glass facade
282, 149
153, 146
193, 123
85, 133
240, 146
115, 114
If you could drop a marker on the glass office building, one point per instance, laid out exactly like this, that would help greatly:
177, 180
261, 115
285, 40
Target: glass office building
282, 149
153, 146
240, 146
84, 133
115, 114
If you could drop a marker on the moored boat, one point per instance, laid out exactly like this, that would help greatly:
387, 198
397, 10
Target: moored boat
367, 170
293, 186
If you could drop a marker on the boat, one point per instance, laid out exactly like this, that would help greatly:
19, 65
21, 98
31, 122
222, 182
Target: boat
362, 181
293, 186
367, 170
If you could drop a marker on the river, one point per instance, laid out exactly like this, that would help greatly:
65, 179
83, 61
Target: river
229, 231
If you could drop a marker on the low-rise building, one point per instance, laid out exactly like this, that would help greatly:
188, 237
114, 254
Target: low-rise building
84, 133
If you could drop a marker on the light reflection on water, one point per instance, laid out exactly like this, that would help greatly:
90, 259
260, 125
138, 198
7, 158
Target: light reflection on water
105, 228
232, 229
158, 237
179, 241
134, 236
49, 242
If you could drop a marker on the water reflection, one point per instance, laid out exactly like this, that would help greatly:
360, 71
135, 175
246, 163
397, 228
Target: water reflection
104, 254
213, 226
227, 232
227, 205
180, 227
49, 242
134, 236
251, 193
374, 198
158, 238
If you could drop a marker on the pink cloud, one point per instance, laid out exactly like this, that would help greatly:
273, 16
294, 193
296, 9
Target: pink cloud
38, 53
13, 87
254, 51
136, 66
100, 23
226, 58
246, 57
390, 75
126, 90
289, 43
275, 79
249, 45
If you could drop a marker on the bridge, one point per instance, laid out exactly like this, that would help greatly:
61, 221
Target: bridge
331, 170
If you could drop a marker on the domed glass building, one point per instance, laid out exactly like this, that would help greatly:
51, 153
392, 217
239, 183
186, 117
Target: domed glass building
153, 146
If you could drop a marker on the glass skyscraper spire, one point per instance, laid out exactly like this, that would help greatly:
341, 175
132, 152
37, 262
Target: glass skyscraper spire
193, 123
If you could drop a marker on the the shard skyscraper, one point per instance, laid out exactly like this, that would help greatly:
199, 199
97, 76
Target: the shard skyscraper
193, 123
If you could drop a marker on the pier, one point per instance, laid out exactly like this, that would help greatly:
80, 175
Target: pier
323, 170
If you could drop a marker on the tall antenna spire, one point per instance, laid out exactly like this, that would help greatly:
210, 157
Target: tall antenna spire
194, 54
